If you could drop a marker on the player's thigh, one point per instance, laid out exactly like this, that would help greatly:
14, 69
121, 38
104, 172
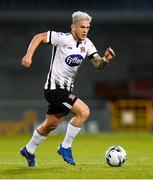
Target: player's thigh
80, 108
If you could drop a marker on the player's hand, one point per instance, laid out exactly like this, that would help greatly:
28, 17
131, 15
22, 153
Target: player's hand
26, 61
109, 55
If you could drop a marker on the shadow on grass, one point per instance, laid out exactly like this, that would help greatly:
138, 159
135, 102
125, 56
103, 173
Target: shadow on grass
26, 172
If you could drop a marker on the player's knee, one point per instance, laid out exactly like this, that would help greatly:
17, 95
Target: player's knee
85, 113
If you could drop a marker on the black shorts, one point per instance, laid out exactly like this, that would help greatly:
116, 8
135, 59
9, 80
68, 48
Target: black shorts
60, 101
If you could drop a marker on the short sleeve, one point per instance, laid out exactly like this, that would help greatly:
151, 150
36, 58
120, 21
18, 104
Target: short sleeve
49, 37
91, 49
56, 38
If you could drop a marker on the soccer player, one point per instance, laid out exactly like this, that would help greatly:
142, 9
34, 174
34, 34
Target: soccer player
68, 52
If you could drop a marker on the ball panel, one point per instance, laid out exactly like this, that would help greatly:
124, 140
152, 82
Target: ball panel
115, 156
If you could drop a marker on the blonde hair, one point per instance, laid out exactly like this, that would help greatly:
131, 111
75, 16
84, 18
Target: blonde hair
80, 16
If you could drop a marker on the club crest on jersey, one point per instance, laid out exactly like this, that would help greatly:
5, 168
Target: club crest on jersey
74, 60
82, 49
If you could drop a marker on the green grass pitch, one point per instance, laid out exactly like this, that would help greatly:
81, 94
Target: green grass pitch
88, 151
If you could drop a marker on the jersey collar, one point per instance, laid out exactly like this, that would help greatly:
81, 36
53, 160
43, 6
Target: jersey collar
77, 42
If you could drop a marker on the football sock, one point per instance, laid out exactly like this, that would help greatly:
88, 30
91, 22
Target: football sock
71, 132
34, 142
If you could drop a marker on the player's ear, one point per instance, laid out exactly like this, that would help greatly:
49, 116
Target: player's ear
72, 27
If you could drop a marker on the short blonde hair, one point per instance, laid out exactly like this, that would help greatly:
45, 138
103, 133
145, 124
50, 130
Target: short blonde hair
80, 16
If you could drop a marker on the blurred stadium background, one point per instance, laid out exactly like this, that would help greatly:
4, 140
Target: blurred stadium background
120, 96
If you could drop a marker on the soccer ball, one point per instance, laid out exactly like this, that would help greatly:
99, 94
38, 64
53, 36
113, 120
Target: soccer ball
115, 156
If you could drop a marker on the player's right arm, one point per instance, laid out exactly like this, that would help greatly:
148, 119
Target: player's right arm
35, 42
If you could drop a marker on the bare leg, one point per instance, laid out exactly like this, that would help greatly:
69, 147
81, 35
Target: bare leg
40, 134
81, 113
50, 123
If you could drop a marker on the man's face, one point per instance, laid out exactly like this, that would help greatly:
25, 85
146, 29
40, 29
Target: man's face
80, 29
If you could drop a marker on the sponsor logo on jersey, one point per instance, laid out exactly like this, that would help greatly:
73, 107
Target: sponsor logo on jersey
74, 60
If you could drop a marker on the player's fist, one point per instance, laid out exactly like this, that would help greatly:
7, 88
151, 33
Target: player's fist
109, 54
26, 61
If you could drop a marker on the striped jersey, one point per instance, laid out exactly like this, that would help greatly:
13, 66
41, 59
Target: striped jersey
67, 56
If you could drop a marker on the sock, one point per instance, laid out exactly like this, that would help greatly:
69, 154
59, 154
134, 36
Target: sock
71, 132
34, 142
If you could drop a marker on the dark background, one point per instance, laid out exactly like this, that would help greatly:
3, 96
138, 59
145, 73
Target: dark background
126, 26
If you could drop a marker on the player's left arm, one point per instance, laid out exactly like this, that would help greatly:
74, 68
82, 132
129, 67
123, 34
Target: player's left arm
99, 62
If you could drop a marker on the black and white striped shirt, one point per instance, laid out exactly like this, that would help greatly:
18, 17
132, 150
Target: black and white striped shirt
67, 56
